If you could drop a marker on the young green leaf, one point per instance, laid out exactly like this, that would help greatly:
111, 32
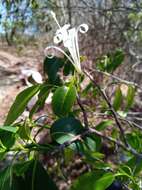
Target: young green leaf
130, 97
102, 125
117, 99
117, 59
9, 129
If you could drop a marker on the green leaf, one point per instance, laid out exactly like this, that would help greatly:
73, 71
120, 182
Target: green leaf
93, 181
130, 97
5, 179
135, 164
7, 138
117, 59
102, 125
105, 181
20, 103
21, 167
37, 178
51, 68
24, 132
90, 144
68, 68
65, 129
111, 61
9, 129
43, 94
86, 147
134, 140
63, 100
117, 99
27, 176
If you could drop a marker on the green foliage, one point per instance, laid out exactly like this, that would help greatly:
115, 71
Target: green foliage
96, 180
117, 99
5, 179
51, 68
65, 129
101, 126
27, 175
9, 129
110, 62
72, 131
130, 97
63, 100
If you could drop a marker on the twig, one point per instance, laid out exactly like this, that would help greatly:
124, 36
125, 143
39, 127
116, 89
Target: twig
83, 111
131, 123
110, 106
117, 78
89, 131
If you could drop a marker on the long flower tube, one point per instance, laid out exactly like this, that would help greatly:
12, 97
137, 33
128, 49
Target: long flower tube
69, 37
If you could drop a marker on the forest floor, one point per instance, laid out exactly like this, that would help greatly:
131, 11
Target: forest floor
11, 65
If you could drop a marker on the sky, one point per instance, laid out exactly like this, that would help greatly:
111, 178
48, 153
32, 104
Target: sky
29, 30
2, 12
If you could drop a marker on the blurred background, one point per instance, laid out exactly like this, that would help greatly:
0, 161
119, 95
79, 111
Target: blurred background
27, 27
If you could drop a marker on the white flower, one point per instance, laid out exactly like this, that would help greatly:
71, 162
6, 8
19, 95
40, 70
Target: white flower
31, 76
69, 37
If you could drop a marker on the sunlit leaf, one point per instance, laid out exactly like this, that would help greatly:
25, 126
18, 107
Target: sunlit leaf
20, 103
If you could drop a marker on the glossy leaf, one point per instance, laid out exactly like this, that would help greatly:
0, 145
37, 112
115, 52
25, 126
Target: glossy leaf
134, 140
63, 99
65, 129
9, 129
7, 139
20, 103
52, 67
105, 181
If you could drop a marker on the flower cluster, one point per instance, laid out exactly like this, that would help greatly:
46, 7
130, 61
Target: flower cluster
69, 37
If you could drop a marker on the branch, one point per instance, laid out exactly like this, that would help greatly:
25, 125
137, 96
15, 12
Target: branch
83, 111
110, 106
89, 131
118, 79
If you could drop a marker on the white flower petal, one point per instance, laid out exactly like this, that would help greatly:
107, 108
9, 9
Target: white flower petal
69, 37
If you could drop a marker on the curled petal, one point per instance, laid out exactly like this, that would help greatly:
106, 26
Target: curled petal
56, 48
50, 56
83, 28
62, 34
69, 37
58, 38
